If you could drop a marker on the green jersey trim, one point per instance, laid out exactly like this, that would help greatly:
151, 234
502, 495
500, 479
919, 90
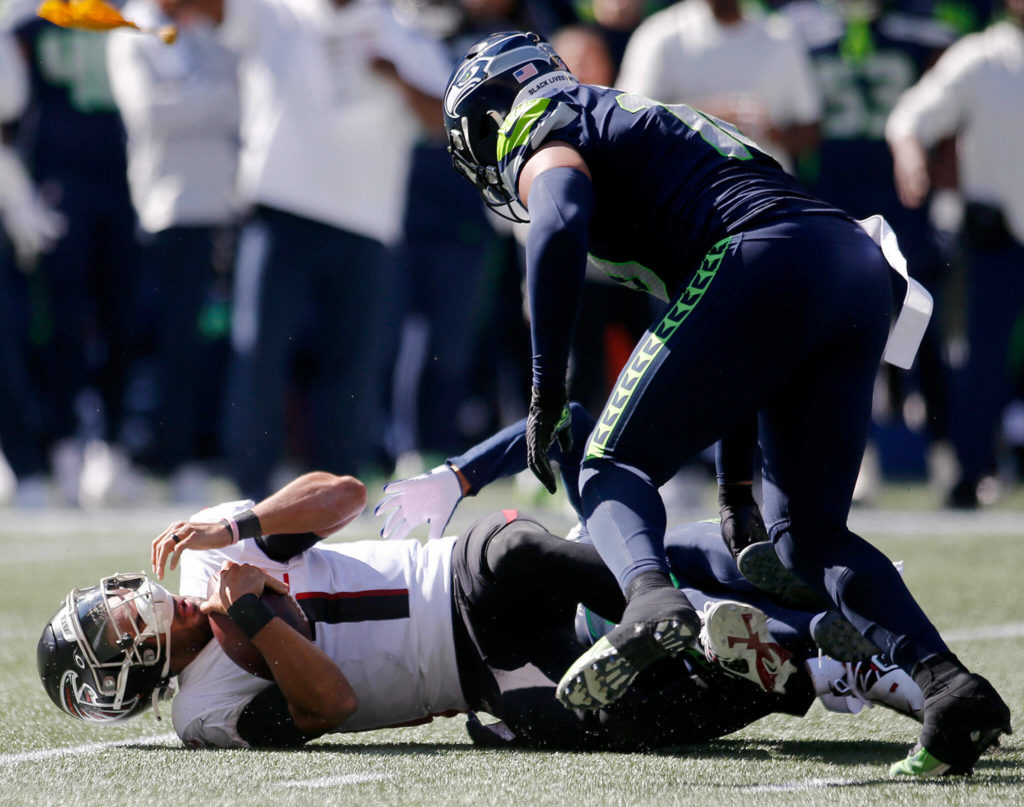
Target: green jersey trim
527, 126
633, 275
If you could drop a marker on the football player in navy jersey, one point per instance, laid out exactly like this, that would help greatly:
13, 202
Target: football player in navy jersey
780, 306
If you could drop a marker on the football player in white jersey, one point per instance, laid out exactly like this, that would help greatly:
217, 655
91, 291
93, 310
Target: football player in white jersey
405, 631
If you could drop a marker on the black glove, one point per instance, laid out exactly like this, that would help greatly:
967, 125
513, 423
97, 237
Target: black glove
742, 524
548, 419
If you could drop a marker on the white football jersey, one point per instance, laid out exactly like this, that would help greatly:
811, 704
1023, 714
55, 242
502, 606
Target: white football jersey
381, 609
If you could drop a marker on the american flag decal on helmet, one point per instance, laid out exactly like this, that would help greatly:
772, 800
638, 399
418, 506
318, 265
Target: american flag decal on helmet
525, 72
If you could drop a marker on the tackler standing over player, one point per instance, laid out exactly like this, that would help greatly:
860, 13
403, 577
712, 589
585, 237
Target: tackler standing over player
779, 304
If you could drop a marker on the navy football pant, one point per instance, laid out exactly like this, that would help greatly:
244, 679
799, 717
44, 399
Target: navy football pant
305, 292
788, 321
995, 303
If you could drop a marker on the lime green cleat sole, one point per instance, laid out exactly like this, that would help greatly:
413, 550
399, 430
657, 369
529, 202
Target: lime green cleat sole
920, 764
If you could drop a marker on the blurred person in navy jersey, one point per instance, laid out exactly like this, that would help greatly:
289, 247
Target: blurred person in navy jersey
976, 93
180, 108
72, 141
865, 54
28, 226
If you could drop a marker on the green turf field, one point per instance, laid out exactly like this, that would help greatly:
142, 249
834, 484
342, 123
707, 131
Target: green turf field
965, 571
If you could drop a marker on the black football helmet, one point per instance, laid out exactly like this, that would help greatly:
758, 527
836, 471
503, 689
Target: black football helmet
105, 655
479, 96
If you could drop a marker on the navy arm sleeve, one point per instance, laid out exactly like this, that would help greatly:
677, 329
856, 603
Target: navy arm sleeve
561, 202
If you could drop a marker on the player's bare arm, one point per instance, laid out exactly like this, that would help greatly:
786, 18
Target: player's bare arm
319, 696
316, 502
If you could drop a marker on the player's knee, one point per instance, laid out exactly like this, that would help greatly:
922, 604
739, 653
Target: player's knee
515, 549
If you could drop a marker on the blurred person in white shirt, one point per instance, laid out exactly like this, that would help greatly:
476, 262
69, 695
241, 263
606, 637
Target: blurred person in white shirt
976, 93
180, 108
326, 136
733, 62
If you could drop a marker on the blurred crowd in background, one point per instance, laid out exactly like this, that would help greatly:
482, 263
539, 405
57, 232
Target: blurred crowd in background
246, 253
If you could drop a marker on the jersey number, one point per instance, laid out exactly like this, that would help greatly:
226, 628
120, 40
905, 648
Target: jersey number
860, 96
725, 138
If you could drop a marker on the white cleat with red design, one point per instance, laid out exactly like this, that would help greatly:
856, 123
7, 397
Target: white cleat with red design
735, 636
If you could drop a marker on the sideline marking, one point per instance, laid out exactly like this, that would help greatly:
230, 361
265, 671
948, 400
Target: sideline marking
334, 781
77, 750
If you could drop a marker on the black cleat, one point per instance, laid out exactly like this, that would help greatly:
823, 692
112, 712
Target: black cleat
963, 717
760, 565
656, 624
837, 638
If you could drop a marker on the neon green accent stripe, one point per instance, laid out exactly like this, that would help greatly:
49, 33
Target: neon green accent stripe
515, 131
651, 346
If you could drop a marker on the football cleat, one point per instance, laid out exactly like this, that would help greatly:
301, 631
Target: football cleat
735, 636
761, 566
489, 735
836, 637
963, 717
853, 686
605, 672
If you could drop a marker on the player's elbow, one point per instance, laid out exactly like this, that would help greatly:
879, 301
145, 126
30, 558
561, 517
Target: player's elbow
333, 709
340, 707
347, 497
335, 704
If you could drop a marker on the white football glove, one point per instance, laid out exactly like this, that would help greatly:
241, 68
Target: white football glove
33, 226
429, 498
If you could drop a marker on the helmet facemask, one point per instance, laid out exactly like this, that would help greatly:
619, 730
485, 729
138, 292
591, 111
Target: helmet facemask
121, 630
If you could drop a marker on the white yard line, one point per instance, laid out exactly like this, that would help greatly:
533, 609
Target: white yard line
807, 784
1011, 630
335, 781
78, 750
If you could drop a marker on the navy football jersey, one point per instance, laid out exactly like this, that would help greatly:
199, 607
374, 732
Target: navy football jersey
863, 70
72, 126
669, 182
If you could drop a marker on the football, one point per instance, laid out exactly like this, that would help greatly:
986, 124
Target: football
239, 647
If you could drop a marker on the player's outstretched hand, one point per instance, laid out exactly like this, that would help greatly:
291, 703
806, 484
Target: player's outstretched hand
235, 580
549, 418
182, 535
429, 498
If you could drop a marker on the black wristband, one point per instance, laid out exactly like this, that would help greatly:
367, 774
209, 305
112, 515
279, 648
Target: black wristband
248, 525
245, 524
250, 613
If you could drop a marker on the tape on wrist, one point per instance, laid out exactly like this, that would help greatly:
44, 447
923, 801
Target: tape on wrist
243, 525
250, 613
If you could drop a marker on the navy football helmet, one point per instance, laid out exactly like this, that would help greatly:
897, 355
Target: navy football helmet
105, 655
479, 96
